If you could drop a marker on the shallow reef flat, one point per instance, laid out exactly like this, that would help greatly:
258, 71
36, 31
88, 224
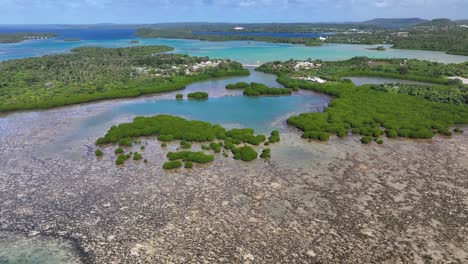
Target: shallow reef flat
341, 201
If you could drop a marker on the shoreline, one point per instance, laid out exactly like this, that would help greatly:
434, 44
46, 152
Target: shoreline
296, 197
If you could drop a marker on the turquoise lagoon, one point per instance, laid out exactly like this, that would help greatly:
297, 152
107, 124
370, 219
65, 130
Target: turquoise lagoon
226, 107
246, 52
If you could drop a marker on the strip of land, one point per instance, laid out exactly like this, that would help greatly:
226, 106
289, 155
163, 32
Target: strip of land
91, 73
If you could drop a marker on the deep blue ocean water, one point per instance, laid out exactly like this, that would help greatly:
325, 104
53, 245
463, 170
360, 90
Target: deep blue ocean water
81, 33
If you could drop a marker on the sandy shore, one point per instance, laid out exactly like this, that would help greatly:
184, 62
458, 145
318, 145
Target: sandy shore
403, 202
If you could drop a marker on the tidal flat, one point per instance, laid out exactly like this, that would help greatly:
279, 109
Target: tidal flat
341, 201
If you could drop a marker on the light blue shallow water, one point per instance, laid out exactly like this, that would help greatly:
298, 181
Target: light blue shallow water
243, 51
262, 114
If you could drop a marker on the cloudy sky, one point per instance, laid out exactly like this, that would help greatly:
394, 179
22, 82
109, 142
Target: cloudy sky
153, 11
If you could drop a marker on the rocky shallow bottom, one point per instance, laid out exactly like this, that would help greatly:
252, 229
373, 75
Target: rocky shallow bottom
339, 202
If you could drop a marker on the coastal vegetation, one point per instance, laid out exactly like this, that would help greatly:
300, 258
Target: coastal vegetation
179, 96
91, 73
266, 154
258, 89
454, 94
371, 111
169, 128
181, 33
170, 165
407, 69
239, 85
274, 137
198, 95
19, 37
197, 157
245, 153
98, 153
438, 35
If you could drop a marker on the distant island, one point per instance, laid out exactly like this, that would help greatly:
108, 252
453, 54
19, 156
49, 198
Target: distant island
406, 33
19, 37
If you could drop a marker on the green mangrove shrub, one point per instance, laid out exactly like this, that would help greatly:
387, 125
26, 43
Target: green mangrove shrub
197, 157
198, 95
170, 165
98, 153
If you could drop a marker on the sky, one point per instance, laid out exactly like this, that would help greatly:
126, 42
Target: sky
156, 11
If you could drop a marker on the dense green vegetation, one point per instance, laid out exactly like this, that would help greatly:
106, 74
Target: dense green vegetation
366, 140
239, 85
371, 111
137, 156
438, 35
168, 128
198, 95
274, 137
244, 135
181, 33
257, 89
197, 157
98, 153
118, 151
245, 153
454, 94
367, 112
417, 70
172, 127
122, 158
18, 37
91, 73
172, 165
185, 144
266, 154
179, 96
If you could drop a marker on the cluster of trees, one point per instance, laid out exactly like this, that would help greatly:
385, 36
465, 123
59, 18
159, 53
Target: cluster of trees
189, 34
274, 137
245, 153
266, 154
454, 94
92, 73
197, 157
18, 37
418, 70
439, 35
170, 165
444, 36
373, 111
169, 128
257, 89
198, 95
368, 112
239, 85
244, 135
